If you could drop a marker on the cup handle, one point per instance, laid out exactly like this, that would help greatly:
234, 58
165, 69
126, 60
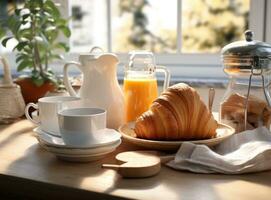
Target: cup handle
66, 77
26, 111
165, 70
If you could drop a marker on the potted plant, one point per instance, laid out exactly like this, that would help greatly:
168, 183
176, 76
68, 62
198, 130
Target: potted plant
36, 26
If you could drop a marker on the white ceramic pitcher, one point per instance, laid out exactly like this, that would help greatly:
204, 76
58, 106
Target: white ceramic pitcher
100, 85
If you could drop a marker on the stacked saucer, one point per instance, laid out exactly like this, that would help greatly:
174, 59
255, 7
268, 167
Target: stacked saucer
105, 142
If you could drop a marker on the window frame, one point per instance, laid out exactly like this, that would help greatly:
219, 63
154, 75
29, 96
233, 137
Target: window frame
200, 65
182, 65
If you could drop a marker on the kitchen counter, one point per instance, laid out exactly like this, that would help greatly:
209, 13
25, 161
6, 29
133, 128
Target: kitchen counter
29, 172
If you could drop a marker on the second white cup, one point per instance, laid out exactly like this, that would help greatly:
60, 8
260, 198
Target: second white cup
78, 125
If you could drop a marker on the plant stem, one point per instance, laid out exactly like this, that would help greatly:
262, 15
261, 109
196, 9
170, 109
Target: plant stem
37, 56
46, 61
36, 49
32, 36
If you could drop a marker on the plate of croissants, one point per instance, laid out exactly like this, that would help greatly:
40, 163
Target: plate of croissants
178, 115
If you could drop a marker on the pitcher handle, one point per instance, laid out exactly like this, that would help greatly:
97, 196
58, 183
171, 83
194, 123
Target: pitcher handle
66, 77
95, 48
165, 70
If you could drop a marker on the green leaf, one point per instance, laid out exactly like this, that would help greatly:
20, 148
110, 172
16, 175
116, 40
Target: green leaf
45, 40
13, 24
24, 64
19, 58
38, 38
61, 21
25, 16
51, 35
50, 76
23, 39
17, 11
35, 73
62, 45
50, 7
26, 33
4, 42
50, 28
38, 81
2, 32
20, 45
66, 31
52, 79
51, 20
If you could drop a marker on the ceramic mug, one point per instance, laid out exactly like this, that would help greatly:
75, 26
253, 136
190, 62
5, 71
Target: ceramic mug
79, 125
47, 108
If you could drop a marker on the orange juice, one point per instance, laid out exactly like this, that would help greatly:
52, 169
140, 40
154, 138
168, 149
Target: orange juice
139, 94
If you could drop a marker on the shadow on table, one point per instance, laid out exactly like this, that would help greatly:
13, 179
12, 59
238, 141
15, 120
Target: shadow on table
14, 134
43, 166
213, 186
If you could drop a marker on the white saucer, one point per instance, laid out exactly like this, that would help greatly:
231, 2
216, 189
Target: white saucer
102, 138
79, 152
78, 157
85, 158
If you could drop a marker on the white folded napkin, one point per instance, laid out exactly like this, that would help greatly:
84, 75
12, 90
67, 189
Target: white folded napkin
246, 152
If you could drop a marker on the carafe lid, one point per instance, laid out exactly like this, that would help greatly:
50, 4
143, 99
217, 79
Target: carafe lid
247, 55
141, 61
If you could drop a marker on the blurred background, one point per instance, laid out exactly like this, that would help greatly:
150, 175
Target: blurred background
185, 35
161, 26
206, 25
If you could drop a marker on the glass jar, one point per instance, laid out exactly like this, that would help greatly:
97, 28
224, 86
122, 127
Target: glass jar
246, 103
140, 83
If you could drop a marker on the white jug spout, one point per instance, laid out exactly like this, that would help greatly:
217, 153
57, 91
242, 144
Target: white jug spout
108, 59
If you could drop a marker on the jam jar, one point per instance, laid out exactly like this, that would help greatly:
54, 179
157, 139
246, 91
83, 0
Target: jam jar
246, 102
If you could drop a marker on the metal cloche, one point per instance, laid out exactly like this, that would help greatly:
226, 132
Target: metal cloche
247, 56
248, 47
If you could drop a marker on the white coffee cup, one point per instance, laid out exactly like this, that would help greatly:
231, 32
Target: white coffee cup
79, 125
48, 108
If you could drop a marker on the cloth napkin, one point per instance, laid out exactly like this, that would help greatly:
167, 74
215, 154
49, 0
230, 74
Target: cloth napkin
246, 152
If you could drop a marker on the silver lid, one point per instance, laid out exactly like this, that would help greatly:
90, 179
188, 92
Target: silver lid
247, 55
248, 47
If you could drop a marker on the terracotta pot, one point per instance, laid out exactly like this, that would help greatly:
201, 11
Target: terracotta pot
31, 92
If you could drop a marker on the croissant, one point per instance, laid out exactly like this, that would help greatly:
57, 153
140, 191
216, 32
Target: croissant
177, 114
233, 112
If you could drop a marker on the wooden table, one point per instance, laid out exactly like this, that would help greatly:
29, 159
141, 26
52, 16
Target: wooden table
28, 171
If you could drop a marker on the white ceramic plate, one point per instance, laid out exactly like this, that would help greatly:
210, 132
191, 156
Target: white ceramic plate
105, 137
90, 158
127, 132
82, 158
70, 151
87, 157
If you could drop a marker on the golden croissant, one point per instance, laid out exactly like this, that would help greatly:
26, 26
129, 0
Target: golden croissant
178, 114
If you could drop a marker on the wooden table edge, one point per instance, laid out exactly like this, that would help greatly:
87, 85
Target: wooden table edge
18, 187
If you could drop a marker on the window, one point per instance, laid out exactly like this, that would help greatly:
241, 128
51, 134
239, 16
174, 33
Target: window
186, 35
154, 24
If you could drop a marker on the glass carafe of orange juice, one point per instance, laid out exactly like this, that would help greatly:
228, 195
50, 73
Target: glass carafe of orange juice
140, 83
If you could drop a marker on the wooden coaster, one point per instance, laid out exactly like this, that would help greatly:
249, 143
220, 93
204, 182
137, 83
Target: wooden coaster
136, 164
